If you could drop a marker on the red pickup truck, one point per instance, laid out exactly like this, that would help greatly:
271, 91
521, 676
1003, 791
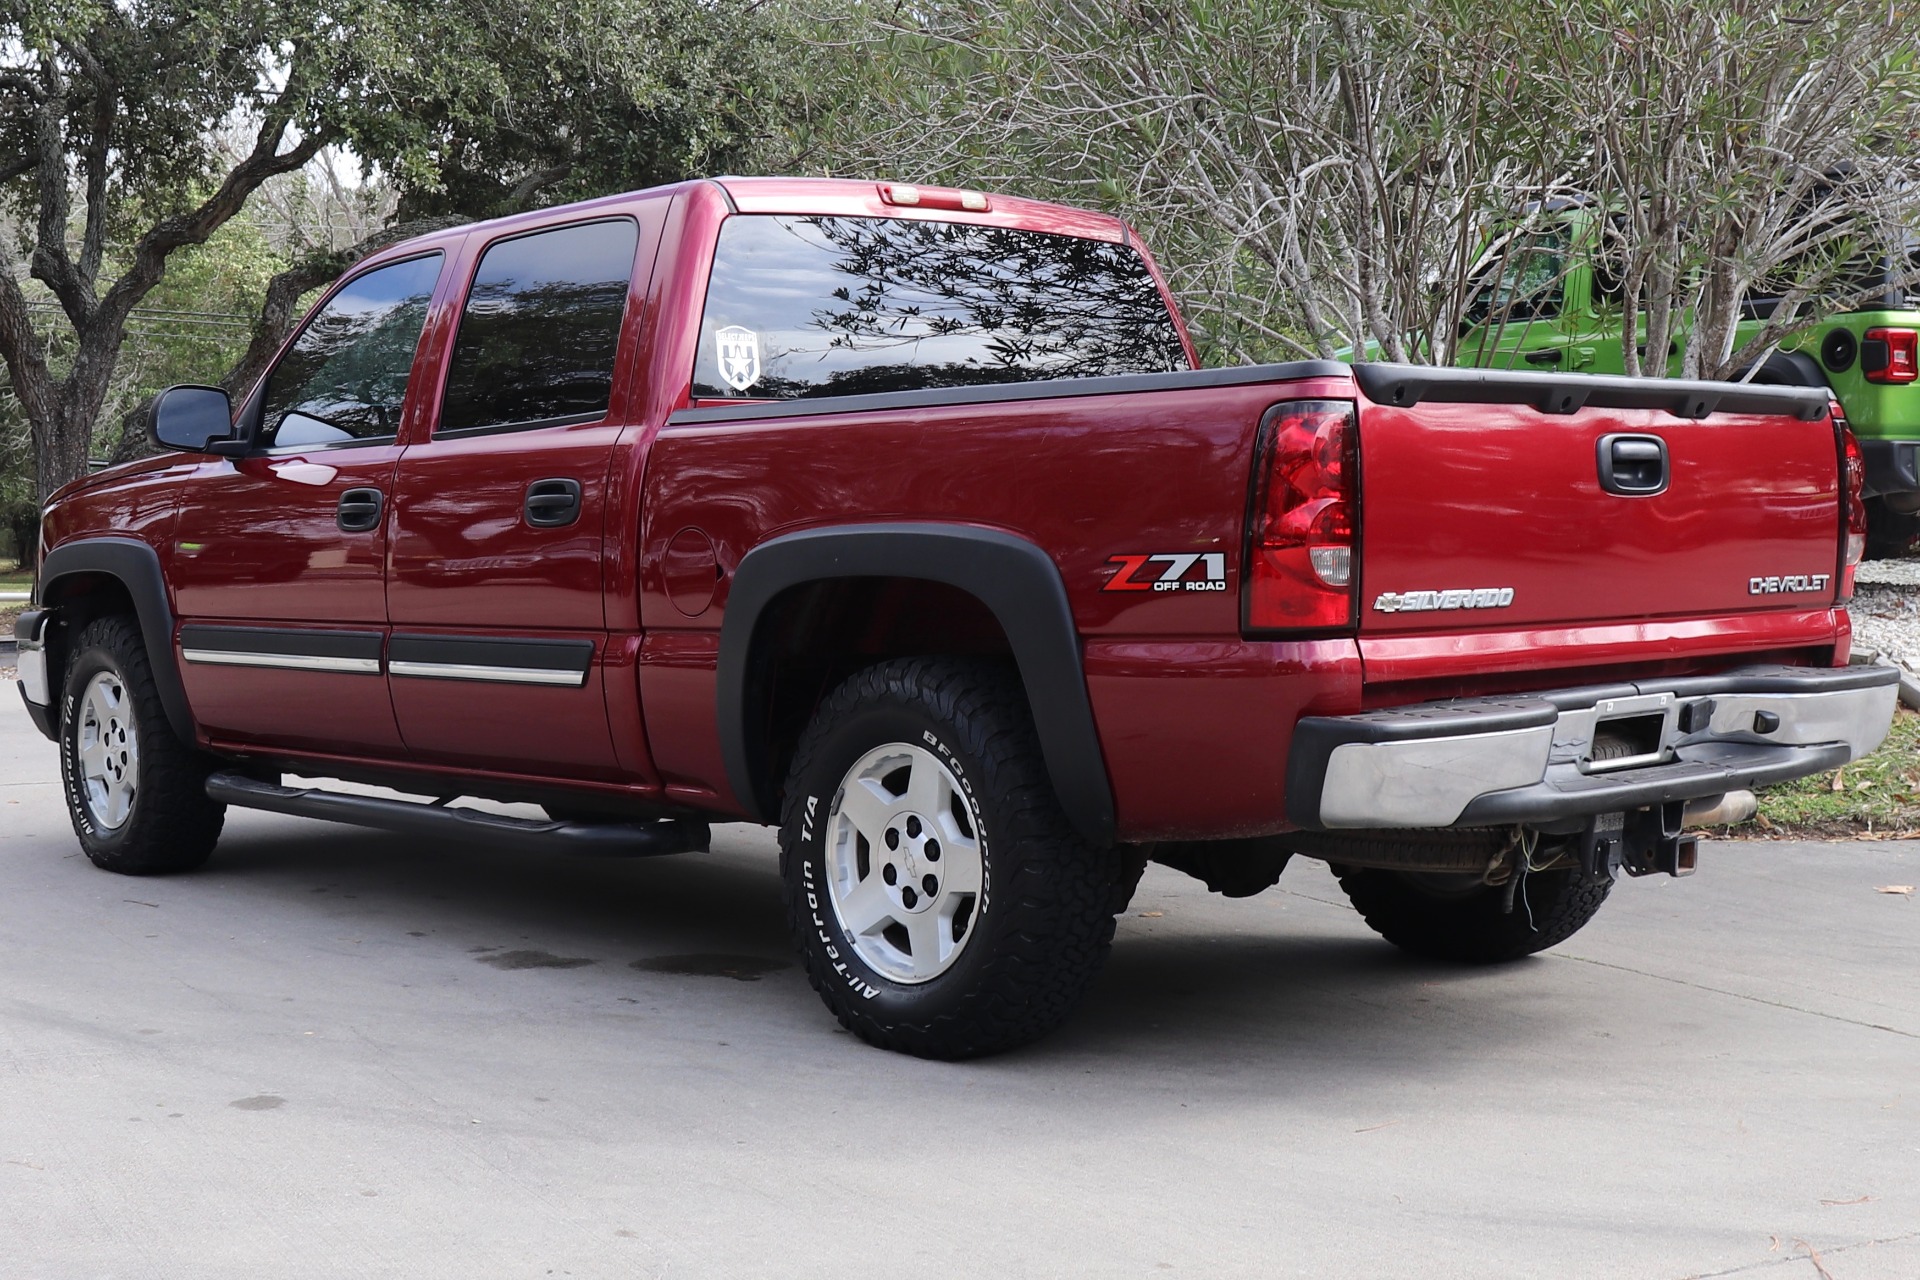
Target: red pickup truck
902, 517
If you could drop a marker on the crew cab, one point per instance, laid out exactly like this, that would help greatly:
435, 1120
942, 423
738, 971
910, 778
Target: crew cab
902, 517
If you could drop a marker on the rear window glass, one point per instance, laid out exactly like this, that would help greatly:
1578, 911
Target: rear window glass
538, 332
826, 306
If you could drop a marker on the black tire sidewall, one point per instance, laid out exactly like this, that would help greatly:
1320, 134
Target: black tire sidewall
85, 665
835, 960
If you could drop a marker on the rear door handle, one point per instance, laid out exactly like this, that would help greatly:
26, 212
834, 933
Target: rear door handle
1633, 466
1545, 355
359, 510
553, 504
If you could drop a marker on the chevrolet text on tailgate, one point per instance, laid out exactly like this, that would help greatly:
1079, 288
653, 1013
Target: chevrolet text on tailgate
901, 517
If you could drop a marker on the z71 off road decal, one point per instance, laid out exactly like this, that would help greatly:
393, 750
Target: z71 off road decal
1168, 571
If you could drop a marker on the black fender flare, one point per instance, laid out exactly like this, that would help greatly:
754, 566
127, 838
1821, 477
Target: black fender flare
136, 566
1790, 369
1017, 581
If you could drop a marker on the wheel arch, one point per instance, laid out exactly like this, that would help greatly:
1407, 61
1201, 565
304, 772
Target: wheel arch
1014, 580
92, 577
1789, 369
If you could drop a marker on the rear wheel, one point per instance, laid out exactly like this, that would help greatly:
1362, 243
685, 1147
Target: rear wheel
941, 901
1448, 916
136, 794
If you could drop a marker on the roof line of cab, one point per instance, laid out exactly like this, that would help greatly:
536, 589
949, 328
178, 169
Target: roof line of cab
825, 196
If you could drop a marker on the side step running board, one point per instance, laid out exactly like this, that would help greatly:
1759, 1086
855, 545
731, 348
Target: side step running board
593, 839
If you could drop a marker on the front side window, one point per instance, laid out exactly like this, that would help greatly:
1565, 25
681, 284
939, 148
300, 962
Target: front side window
345, 377
826, 306
538, 333
1523, 279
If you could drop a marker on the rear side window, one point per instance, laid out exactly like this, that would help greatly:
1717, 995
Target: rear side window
344, 379
538, 332
826, 306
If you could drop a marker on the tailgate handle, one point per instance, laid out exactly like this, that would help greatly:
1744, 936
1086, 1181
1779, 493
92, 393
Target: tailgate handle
1633, 466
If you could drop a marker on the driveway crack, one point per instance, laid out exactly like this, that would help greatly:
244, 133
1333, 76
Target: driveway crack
1741, 995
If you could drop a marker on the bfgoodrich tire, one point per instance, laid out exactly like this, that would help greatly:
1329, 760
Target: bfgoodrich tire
136, 793
941, 902
1450, 917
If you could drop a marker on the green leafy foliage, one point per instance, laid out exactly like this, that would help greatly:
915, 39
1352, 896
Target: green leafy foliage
132, 133
1320, 176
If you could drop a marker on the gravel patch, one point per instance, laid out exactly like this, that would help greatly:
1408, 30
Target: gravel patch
1903, 572
1886, 619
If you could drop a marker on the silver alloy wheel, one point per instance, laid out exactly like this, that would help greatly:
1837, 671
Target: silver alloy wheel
109, 751
903, 862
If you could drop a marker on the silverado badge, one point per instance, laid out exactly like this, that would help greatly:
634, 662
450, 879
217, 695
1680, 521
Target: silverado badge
1459, 598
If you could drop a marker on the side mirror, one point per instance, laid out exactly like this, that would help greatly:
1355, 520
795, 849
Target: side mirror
193, 420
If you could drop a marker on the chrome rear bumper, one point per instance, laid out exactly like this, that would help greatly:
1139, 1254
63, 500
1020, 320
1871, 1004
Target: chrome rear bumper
1530, 758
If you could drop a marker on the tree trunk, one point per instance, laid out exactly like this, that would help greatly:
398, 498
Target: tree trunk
60, 448
25, 527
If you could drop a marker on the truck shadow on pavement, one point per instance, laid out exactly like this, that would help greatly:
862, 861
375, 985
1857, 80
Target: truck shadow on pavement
1228, 985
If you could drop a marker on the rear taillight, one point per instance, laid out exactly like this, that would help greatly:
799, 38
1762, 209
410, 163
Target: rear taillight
1891, 355
1853, 480
1300, 536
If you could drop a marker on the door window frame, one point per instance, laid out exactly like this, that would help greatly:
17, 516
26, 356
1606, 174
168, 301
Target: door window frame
631, 312
255, 405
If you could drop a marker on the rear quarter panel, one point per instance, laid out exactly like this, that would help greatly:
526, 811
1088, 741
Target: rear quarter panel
1191, 717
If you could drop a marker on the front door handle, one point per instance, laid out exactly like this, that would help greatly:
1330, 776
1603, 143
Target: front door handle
359, 510
1545, 355
1633, 466
553, 504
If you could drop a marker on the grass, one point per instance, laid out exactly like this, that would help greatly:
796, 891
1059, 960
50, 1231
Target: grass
1876, 797
12, 579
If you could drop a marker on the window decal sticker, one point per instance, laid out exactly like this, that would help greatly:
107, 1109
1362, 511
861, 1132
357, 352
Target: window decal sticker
739, 351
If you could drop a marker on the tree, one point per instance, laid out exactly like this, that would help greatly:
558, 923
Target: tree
132, 130
1315, 177
115, 103
1739, 149
1322, 176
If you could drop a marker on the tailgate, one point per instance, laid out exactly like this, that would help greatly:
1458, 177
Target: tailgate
1638, 498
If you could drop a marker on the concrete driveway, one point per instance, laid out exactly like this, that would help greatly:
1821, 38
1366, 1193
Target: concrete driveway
338, 1054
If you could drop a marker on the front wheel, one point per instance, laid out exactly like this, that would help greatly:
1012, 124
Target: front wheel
1446, 916
941, 901
136, 794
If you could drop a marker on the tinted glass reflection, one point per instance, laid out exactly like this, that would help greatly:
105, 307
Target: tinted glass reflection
538, 334
345, 377
816, 306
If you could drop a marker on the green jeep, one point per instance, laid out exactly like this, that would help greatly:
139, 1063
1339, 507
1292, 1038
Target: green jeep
1543, 302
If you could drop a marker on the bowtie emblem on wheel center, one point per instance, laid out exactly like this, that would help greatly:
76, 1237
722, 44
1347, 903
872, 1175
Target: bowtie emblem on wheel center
912, 872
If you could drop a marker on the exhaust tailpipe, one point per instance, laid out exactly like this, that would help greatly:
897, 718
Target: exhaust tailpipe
1721, 811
